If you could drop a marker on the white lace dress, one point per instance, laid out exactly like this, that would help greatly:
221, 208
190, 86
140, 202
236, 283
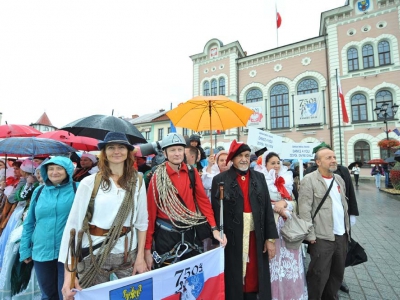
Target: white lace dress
287, 267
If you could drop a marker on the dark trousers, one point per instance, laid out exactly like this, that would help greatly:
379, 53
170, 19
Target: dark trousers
326, 270
50, 276
356, 176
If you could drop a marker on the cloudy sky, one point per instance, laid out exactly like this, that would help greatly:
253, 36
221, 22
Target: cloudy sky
77, 58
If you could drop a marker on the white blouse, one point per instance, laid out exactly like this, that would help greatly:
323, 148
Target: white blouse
106, 206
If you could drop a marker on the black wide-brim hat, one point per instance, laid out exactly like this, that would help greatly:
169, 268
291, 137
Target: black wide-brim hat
115, 138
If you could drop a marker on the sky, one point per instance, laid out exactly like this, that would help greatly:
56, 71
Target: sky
73, 59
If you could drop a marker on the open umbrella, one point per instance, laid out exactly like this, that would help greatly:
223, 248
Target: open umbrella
390, 160
11, 130
32, 146
97, 126
376, 161
210, 113
352, 165
78, 142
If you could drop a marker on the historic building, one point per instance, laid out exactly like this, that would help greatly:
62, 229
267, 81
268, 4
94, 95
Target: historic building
295, 86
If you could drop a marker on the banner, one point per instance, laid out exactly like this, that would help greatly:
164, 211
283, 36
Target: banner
199, 277
257, 119
298, 151
308, 109
258, 139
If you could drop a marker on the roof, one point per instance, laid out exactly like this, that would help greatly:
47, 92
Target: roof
44, 120
147, 118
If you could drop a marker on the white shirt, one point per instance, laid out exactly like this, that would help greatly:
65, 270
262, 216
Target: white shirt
106, 206
337, 207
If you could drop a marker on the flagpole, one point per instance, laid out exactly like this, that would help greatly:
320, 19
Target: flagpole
276, 15
338, 107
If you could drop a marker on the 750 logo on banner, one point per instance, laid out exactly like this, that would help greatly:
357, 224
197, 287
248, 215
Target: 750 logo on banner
190, 281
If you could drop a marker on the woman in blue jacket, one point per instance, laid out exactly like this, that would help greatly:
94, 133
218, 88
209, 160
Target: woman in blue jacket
44, 225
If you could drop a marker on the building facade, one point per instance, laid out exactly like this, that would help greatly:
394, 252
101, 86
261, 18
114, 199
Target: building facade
358, 44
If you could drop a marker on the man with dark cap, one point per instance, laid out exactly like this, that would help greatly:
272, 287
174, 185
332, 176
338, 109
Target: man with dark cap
248, 224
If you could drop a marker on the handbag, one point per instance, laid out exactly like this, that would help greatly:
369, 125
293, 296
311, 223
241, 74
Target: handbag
355, 254
295, 230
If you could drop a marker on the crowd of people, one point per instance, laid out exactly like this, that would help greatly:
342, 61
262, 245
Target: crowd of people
66, 228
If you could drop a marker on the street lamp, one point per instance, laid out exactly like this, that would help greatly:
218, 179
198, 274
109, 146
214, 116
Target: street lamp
382, 113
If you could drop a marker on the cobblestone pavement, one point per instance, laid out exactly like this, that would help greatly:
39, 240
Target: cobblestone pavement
378, 231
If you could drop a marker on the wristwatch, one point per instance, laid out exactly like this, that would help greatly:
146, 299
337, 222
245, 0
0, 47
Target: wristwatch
214, 228
272, 241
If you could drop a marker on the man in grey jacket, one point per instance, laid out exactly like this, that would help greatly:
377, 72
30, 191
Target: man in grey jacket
329, 236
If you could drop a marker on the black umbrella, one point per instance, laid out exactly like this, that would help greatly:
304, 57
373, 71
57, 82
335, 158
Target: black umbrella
97, 126
390, 160
352, 165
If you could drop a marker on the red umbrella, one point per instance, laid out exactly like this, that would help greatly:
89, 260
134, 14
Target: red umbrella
78, 142
376, 161
83, 143
11, 130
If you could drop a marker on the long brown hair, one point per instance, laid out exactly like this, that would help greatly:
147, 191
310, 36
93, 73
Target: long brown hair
104, 169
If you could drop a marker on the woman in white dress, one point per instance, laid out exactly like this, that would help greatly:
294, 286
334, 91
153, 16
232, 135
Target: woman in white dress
287, 269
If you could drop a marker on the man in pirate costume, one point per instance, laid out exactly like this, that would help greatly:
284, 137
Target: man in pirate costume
249, 226
177, 207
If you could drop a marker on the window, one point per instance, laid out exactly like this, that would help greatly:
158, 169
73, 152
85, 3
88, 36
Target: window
385, 97
222, 86
352, 59
279, 107
384, 53
206, 88
368, 56
185, 131
169, 129
254, 95
206, 132
307, 86
359, 107
160, 133
214, 87
147, 135
362, 152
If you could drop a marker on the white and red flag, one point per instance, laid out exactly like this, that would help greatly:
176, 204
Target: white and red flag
278, 20
342, 102
199, 277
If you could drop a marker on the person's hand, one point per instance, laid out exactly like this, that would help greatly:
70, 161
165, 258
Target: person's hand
211, 160
312, 242
217, 236
149, 174
352, 220
148, 258
68, 294
139, 266
28, 260
270, 247
280, 204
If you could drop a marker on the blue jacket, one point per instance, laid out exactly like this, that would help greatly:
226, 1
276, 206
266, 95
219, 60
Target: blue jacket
46, 219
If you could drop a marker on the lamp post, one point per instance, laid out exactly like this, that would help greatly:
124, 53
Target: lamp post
382, 113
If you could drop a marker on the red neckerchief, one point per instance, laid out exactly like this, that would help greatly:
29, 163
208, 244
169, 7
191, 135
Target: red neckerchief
280, 185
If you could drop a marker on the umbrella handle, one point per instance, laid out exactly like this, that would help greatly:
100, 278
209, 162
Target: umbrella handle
221, 212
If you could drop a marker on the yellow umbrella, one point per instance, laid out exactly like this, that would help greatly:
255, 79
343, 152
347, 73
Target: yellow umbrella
210, 113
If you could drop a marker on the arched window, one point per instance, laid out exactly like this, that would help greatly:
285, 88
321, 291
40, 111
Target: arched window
384, 53
214, 87
359, 108
307, 86
352, 59
368, 56
206, 88
279, 101
222, 86
362, 152
385, 97
254, 95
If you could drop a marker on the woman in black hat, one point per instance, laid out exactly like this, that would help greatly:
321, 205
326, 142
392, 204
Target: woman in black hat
114, 222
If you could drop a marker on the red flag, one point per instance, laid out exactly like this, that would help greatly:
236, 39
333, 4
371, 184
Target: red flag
344, 110
278, 20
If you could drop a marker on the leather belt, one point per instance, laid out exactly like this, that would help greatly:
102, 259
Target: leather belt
97, 231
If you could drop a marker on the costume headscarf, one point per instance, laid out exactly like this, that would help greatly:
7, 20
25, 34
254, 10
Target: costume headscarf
279, 185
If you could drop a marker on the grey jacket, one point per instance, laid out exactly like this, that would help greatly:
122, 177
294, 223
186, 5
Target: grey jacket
312, 189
